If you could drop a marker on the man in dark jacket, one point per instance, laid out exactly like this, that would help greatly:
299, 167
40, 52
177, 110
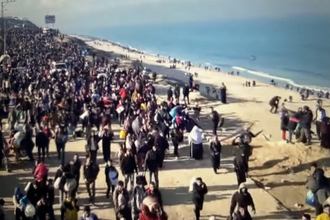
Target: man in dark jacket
91, 171
242, 198
241, 168
177, 92
306, 124
186, 93
122, 210
75, 170
199, 191
152, 164
274, 103
128, 166
93, 145
106, 145
42, 143
317, 183
215, 120
61, 137
169, 94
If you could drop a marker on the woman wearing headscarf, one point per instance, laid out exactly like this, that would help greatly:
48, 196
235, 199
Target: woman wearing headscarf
154, 191
215, 147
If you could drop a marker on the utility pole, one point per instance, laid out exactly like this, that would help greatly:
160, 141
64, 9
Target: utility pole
4, 23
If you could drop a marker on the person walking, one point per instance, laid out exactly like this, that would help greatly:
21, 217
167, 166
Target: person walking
169, 94
106, 144
306, 124
177, 92
111, 177
242, 198
199, 191
128, 167
75, 170
42, 143
152, 164
137, 198
186, 91
93, 145
215, 120
215, 147
91, 171
241, 168
319, 115
61, 137
120, 202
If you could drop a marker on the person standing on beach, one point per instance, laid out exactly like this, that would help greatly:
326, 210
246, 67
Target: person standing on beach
199, 191
241, 168
152, 164
215, 147
319, 115
215, 120
242, 198
186, 93
177, 92
169, 94
274, 103
306, 124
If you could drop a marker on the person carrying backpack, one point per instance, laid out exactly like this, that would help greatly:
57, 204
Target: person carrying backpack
111, 177
88, 215
70, 208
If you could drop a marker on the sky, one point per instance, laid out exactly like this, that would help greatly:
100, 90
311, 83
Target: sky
77, 15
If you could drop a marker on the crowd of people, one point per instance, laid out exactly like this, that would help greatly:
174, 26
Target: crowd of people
48, 103
51, 104
299, 123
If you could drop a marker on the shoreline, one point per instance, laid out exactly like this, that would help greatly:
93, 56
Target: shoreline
248, 74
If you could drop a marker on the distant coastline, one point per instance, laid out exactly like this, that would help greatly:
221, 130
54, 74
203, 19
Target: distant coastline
244, 72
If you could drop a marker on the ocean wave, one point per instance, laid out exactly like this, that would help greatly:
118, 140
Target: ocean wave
286, 80
239, 68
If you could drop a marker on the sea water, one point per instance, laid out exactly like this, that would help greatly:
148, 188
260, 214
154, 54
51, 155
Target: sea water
294, 50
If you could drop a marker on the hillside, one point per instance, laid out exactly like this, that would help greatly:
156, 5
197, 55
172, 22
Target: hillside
11, 22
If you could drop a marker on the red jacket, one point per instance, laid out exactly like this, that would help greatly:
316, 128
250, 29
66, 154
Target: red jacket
146, 215
123, 93
41, 170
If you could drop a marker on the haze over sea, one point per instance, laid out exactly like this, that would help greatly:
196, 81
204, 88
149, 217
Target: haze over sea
293, 50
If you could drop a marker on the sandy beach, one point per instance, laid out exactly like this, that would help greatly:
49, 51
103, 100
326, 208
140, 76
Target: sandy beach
279, 167
275, 164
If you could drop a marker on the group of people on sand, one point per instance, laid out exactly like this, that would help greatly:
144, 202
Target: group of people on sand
50, 104
44, 104
299, 123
